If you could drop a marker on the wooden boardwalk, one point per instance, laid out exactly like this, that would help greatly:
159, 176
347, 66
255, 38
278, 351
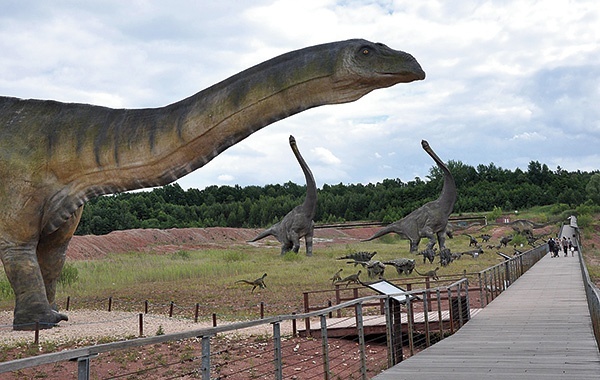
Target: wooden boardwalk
375, 324
539, 328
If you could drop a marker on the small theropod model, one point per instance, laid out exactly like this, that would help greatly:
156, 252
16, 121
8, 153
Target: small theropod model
298, 223
260, 282
429, 220
56, 156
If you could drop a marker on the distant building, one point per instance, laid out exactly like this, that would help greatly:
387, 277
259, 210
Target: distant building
503, 220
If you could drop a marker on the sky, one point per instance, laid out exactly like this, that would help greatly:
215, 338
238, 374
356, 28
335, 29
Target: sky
508, 82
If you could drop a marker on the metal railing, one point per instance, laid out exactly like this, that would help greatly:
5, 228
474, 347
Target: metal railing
496, 279
418, 312
429, 315
592, 294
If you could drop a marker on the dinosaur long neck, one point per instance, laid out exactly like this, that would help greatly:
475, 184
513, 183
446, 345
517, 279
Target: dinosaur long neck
447, 197
88, 151
120, 150
310, 201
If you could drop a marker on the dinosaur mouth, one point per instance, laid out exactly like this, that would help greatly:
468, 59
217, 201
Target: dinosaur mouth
407, 76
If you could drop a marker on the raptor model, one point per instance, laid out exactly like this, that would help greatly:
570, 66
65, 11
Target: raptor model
429, 220
298, 223
55, 156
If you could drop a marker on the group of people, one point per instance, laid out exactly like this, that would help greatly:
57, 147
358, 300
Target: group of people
555, 245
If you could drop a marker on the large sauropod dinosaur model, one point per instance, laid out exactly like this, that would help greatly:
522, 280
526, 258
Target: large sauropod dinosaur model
429, 220
298, 223
55, 156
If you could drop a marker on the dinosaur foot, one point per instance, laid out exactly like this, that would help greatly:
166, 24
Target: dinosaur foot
46, 320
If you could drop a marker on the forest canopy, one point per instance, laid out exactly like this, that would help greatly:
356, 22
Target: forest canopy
480, 189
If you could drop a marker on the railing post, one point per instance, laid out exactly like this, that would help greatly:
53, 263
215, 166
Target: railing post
83, 367
338, 300
205, 366
461, 321
410, 320
451, 310
361, 341
440, 316
427, 287
468, 301
389, 330
487, 287
324, 347
480, 290
307, 319
294, 327
426, 306
277, 350
36, 336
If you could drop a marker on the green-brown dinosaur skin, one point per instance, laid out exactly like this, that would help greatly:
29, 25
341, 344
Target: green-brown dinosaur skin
55, 156
298, 223
429, 220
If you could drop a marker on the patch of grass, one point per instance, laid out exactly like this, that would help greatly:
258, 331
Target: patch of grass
209, 276
181, 255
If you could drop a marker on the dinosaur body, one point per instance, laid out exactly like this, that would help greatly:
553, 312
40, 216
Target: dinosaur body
429, 220
55, 156
352, 279
430, 274
298, 223
336, 277
402, 265
361, 257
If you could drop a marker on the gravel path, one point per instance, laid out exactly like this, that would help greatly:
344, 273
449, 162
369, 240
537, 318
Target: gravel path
87, 326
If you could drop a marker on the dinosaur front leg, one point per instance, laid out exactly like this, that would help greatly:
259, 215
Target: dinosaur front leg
52, 253
414, 244
31, 304
308, 238
441, 237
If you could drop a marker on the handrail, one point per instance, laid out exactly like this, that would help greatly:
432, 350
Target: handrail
504, 273
592, 294
73, 354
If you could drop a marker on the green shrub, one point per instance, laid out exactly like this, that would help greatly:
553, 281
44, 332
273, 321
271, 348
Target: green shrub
519, 240
292, 256
233, 256
6, 291
69, 275
495, 213
181, 255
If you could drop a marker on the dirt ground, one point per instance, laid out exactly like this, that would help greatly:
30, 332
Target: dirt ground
182, 357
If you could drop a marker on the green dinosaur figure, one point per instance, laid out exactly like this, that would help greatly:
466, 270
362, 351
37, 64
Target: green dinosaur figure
55, 156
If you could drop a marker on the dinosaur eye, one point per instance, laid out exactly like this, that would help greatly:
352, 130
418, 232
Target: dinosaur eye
366, 51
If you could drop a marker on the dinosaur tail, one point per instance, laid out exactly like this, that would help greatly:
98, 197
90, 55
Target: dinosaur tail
262, 235
381, 232
245, 281
420, 274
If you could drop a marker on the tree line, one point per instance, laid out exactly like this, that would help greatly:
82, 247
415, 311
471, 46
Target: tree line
482, 188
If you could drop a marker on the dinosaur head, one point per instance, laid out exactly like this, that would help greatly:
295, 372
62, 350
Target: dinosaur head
377, 65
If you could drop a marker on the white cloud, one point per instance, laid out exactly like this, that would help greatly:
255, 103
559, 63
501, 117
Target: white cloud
502, 78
